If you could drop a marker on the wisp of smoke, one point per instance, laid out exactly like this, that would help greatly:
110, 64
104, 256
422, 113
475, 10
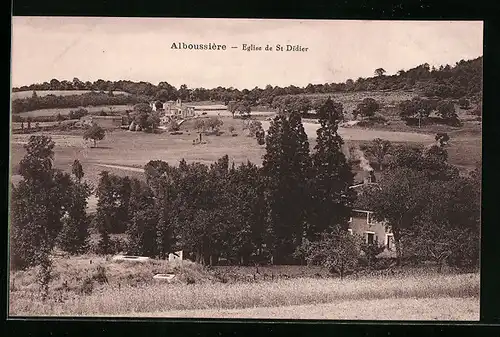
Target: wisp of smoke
363, 162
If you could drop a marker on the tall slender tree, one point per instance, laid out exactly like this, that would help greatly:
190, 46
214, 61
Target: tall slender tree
331, 197
141, 230
77, 170
37, 206
285, 168
105, 212
161, 179
74, 235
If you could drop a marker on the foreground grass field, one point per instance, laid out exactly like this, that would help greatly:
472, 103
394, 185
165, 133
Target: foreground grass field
443, 309
129, 290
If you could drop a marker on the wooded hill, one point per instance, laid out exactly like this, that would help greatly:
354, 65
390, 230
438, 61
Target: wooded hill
464, 79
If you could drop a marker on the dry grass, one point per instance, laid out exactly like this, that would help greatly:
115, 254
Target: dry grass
444, 309
131, 289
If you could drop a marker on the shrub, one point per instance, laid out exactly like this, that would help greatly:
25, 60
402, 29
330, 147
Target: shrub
95, 133
60, 117
464, 103
253, 127
260, 135
478, 111
117, 245
214, 123
173, 125
370, 254
366, 108
87, 286
100, 275
77, 114
199, 124
17, 119
446, 109
337, 251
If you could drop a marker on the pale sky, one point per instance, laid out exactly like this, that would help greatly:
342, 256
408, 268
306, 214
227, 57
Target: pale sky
139, 49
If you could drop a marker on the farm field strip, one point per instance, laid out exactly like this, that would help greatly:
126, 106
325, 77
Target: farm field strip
65, 111
125, 149
366, 134
41, 93
463, 309
121, 167
150, 298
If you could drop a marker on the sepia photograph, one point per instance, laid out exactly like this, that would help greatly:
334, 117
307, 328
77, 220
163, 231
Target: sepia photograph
245, 168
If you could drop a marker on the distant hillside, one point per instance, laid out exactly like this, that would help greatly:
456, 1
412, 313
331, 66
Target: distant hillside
41, 93
464, 79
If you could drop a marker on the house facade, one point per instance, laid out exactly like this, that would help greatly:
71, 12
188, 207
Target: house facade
363, 224
174, 109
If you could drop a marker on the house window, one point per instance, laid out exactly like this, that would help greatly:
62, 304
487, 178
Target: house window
370, 237
369, 218
389, 241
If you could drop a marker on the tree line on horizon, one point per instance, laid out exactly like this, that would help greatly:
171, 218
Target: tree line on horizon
464, 79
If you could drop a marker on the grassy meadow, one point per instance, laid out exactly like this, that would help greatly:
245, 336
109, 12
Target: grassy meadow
124, 152
128, 289
29, 93
403, 309
350, 100
65, 111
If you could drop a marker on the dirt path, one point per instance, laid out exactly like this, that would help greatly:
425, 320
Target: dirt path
127, 168
452, 309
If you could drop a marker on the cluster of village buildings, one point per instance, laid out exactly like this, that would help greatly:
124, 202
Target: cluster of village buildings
168, 110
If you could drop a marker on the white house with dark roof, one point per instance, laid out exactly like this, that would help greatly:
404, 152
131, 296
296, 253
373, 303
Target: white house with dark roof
363, 224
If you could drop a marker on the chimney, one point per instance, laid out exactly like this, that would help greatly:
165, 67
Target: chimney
369, 177
372, 177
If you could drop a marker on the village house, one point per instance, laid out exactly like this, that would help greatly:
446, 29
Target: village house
362, 222
373, 232
174, 109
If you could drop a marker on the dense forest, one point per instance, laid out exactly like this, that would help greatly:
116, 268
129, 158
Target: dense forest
464, 79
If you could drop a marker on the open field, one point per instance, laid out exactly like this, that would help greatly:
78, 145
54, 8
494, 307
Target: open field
28, 93
350, 100
123, 149
130, 290
408, 309
349, 134
17, 125
65, 111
